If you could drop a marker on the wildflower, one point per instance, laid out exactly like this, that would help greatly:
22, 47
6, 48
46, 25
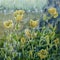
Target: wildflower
27, 32
33, 23
8, 24
19, 12
56, 15
16, 13
23, 40
53, 12
43, 53
19, 17
56, 41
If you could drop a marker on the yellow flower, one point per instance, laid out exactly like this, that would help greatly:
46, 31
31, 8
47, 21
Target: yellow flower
33, 23
56, 15
56, 41
19, 12
8, 24
43, 53
16, 13
27, 32
53, 12
23, 40
19, 17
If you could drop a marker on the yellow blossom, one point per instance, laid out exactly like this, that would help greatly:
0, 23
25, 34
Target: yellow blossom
56, 41
19, 12
33, 23
8, 24
27, 32
43, 53
16, 13
23, 40
19, 17
56, 15
53, 12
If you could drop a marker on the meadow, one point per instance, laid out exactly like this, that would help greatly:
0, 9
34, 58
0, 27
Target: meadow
24, 37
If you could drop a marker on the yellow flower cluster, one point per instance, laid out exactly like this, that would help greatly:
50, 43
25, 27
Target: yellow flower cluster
18, 18
19, 12
23, 40
19, 15
33, 23
43, 53
53, 12
27, 33
56, 41
8, 24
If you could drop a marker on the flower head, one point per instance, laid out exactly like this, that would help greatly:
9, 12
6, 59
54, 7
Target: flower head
23, 40
19, 12
16, 13
19, 17
53, 12
55, 15
8, 24
56, 41
33, 23
43, 53
27, 32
